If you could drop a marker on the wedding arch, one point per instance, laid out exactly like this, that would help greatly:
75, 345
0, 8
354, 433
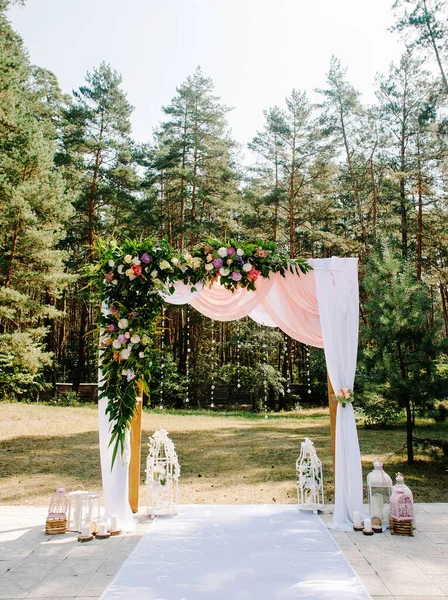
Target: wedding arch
314, 301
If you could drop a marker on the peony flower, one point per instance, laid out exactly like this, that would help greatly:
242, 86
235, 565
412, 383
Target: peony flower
222, 252
236, 276
136, 260
116, 344
128, 259
164, 265
209, 267
145, 258
125, 353
230, 251
240, 252
123, 324
224, 271
154, 274
137, 270
120, 269
254, 274
209, 257
247, 267
111, 263
135, 339
217, 263
121, 338
109, 276
111, 327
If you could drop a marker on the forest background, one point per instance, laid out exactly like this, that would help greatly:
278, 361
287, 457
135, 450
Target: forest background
335, 177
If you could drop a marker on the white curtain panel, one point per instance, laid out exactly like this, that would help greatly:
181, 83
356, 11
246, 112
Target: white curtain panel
338, 297
319, 308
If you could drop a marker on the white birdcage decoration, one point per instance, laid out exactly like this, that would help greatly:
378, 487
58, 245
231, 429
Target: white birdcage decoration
310, 485
162, 475
84, 508
57, 513
379, 486
402, 516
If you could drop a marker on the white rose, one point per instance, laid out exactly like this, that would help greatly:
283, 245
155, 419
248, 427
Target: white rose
154, 274
114, 282
136, 261
131, 277
116, 344
240, 252
111, 263
123, 323
135, 339
120, 269
209, 257
222, 252
125, 354
247, 267
209, 267
224, 271
230, 261
129, 272
196, 262
141, 355
128, 259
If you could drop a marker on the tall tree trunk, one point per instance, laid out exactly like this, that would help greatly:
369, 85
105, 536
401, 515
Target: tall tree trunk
434, 45
12, 254
93, 190
443, 295
375, 197
182, 185
276, 191
403, 208
354, 181
291, 200
419, 212
409, 419
80, 367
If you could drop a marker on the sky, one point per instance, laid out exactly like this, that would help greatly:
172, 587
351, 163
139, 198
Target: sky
256, 51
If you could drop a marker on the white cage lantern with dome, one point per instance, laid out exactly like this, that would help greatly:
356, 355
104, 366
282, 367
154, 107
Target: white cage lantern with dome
379, 486
162, 475
84, 508
310, 486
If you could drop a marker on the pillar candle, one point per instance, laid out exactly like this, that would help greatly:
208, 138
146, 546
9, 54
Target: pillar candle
357, 518
377, 506
102, 528
85, 530
114, 522
368, 524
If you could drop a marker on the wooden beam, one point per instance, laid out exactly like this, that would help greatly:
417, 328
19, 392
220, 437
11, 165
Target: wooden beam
333, 409
136, 440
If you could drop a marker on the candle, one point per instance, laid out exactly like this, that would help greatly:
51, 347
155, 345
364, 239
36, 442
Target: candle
102, 528
357, 519
85, 530
114, 522
377, 506
367, 524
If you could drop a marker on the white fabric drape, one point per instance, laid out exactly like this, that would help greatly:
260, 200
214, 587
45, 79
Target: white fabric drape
338, 297
319, 308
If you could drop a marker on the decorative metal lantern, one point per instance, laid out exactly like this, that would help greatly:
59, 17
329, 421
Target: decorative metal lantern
84, 508
400, 485
380, 488
401, 513
57, 513
310, 486
162, 475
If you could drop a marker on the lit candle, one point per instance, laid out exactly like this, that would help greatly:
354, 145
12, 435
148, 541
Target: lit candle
357, 519
114, 522
367, 524
102, 528
85, 530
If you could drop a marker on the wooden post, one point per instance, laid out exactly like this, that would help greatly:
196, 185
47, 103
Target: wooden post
136, 439
333, 409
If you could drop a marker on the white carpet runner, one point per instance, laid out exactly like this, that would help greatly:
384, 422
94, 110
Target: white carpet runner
237, 552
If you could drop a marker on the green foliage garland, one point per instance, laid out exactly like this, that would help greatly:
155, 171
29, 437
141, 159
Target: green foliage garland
129, 279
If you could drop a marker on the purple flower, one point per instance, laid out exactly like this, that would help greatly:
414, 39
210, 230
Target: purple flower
240, 261
236, 276
111, 327
217, 263
230, 251
122, 338
145, 258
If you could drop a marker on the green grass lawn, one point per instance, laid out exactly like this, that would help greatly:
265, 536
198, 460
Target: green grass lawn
225, 457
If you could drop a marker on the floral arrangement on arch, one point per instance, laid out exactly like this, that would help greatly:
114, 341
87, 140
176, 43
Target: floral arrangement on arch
344, 396
128, 279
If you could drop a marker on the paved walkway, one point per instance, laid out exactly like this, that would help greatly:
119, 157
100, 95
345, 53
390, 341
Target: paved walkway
33, 565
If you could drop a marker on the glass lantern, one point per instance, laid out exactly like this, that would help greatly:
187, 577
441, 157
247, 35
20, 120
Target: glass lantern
57, 513
310, 487
379, 486
84, 508
162, 475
